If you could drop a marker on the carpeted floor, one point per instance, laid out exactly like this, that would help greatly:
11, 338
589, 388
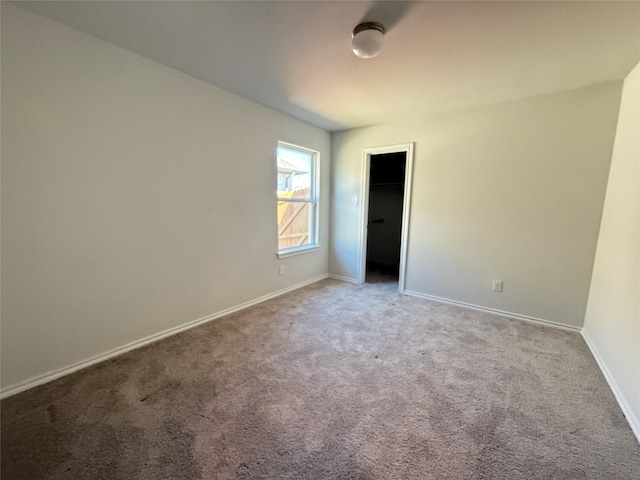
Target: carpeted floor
332, 381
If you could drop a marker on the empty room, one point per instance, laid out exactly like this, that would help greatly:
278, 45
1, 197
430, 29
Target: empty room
320, 240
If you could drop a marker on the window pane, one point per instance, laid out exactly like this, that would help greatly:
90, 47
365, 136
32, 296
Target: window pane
294, 173
294, 224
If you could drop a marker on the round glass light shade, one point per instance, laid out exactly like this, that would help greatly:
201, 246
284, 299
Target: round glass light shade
368, 39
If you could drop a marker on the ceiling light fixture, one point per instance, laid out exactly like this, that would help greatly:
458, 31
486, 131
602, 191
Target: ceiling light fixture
367, 39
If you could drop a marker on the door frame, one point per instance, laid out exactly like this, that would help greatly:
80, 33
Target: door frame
407, 149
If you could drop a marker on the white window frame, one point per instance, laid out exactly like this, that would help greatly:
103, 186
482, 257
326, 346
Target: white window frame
314, 202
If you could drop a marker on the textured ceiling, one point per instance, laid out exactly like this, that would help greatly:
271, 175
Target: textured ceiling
439, 56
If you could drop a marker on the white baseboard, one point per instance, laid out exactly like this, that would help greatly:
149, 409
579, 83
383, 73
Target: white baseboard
344, 279
502, 313
622, 402
61, 372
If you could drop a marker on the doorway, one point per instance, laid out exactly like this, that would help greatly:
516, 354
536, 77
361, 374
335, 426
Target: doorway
385, 212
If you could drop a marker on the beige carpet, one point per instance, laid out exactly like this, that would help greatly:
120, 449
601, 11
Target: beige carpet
333, 381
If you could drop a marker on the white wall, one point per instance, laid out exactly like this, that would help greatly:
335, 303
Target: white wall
134, 198
612, 321
512, 191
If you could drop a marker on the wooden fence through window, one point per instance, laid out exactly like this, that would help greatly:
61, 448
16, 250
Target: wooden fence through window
293, 221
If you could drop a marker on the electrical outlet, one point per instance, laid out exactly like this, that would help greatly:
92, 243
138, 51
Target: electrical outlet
497, 285
281, 270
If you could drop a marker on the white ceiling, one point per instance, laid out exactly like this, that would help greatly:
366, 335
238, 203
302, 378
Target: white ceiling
439, 56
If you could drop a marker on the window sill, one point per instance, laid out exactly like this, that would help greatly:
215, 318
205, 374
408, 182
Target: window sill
298, 251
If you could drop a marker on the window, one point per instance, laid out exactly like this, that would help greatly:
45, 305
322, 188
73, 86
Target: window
297, 203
